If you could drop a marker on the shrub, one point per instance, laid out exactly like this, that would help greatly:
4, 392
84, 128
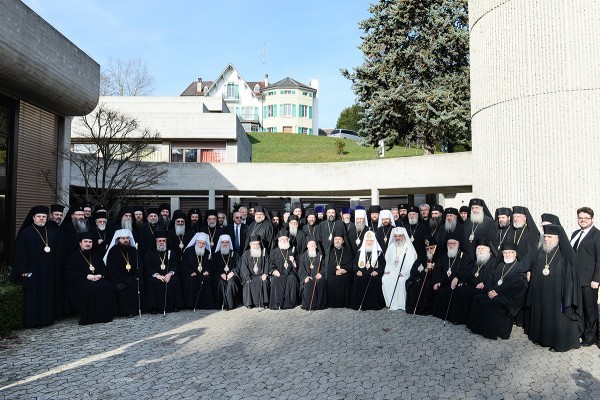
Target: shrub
340, 146
11, 303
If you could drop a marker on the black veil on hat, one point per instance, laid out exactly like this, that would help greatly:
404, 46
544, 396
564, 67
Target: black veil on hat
295, 205
487, 243
480, 202
124, 210
530, 226
503, 211
177, 214
551, 218
32, 212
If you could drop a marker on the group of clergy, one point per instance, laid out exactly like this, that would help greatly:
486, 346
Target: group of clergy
463, 266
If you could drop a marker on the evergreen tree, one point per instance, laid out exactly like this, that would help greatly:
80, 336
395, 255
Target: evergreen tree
414, 82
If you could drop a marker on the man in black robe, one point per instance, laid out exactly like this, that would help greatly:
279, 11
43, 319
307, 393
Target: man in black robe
101, 233
554, 295
94, 294
179, 235
368, 267
492, 314
310, 227
211, 228
124, 220
384, 229
147, 232
296, 235
417, 231
312, 280
254, 270
464, 212
435, 221
403, 215
261, 227
163, 287
38, 253
298, 211
194, 216
452, 224
453, 264
373, 216
479, 225
338, 273
226, 274
56, 213
139, 216
196, 270
346, 214
275, 217
525, 234
326, 229
320, 212
503, 225
125, 271
356, 235
74, 225
419, 286
284, 276
164, 218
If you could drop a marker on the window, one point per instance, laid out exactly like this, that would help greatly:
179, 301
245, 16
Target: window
212, 155
231, 91
191, 155
287, 129
287, 92
273, 129
303, 111
303, 130
271, 111
287, 110
257, 88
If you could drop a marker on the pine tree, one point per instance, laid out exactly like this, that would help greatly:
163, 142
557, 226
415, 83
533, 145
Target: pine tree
414, 82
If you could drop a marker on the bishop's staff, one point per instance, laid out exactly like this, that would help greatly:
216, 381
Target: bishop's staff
166, 286
452, 292
315, 285
397, 280
424, 280
262, 281
137, 271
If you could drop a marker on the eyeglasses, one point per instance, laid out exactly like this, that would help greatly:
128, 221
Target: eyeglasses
237, 217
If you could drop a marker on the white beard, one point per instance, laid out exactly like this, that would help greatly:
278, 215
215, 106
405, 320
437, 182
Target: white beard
413, 221
284, 246
180, 230
450, 226
212, 224
483, 258
312, 253
368, 249
225, 250
126, 224
101, 227
508, 260
259, 220
161, 247
293, 231
519, 225
548, 248
360, 226
200, 251
477, 218
452, 252
429, 256
256, 253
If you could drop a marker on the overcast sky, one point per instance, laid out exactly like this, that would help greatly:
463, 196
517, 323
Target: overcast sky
183, 40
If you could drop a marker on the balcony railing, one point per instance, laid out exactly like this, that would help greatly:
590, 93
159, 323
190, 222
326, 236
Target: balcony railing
233, 97
248, 116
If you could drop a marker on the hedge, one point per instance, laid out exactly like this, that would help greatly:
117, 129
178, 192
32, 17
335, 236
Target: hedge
11, 308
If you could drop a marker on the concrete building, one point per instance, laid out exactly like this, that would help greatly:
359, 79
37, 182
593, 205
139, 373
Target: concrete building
535, 96
44, 81
291, 106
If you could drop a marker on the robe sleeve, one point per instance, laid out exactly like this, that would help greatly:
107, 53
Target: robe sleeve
571, 296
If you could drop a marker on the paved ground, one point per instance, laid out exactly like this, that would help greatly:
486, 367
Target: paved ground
246, 354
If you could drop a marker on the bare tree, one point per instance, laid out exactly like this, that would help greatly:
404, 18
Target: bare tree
110, 150
126, 78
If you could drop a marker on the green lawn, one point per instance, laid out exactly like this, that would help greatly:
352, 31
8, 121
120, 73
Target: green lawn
290, 147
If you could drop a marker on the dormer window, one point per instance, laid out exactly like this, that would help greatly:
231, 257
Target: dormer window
257, 87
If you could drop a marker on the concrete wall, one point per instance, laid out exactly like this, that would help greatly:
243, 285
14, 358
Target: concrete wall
535, 87
39, 65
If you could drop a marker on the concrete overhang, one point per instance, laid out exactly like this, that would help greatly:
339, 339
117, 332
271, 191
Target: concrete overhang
41, 66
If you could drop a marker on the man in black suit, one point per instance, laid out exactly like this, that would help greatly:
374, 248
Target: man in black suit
586, 243
236, 231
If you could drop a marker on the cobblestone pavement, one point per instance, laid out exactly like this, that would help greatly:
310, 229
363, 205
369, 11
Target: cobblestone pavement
247, 354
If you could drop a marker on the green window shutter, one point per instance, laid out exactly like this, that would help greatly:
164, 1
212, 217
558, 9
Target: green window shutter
293, 110
281, 92
237, 111
309, 131
265, 112
281, 110
310, 112
256, 112
274, 110
236, 88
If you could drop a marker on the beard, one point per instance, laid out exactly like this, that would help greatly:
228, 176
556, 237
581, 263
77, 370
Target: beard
450, 226
331, 218
139, 222
477, 217
259, 219
123, 247
212, 224
434, 223
312, 253
200, 251
360, 226
368, 249
101, 227
429, 256
413, 220
548, 248
311, 222
483, 258
80, 226
503, 224
284, 246
400, 243
518, 225
180, 230
225, 250
39, 224
338, 246
508, 260
164, 221
126, 224
452, 252
293, 231
256, 253
161, 247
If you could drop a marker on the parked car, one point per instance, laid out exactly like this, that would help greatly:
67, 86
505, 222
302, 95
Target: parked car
345, 134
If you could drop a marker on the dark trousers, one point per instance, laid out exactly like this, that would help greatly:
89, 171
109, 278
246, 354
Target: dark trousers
590, 314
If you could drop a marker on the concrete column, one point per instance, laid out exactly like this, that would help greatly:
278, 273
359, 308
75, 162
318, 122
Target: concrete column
374, 196
63, 165
211, 199
175, 204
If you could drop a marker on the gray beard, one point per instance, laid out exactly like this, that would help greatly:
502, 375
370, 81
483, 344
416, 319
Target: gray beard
508, 260
101, 227
80, 226
293, 231
360, 226
503, 224
161, 247
450, 226
312, 253
180, 230
477, 218
225, 250
434, 223
483, 258
126, 225
284, 246
200, 251
338, 246
548, 248
429, 256
331, 218
212, 225
452, 252
256, 253
519, 225
257, 220
413, 221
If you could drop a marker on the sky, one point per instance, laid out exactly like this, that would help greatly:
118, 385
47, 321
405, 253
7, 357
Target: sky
183, 40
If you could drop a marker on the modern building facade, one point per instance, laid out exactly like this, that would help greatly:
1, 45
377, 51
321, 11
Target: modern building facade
44, 81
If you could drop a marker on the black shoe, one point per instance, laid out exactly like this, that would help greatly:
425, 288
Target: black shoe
552, 350
587, 344
153, 312
130, 315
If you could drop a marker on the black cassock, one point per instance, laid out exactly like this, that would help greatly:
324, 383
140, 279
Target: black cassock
159, 262
554, 303
339, 287
368, 287
468, 279
177, 243
459, 267
101, 239
298, 242
126, 274
41, 295
226, 289
355, 238
284, 288
95, 299
197, 280
327, 230
419, 291
383, 234
314, 289
265, 230
255, 290
493, 318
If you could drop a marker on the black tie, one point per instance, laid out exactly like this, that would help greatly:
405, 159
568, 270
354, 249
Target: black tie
237, 237
576, 244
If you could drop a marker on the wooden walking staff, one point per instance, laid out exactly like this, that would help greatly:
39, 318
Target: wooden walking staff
137, 269
452, 292
424, 280
397, 280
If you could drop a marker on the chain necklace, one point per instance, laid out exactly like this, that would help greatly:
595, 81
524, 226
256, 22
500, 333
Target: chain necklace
338, 262
502, 237
450, 265
127, 264
520, 236
46, 243
285, 257
226, 269
92, 269
162, 261
385, 234
502, 274
478, 269
546, 270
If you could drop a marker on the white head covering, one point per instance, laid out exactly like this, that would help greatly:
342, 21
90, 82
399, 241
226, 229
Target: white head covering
363, 256
200, 236
221, 238
385, 214
394, 252
119, 234
360, 214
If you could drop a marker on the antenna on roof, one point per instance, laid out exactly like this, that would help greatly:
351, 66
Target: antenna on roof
263, 57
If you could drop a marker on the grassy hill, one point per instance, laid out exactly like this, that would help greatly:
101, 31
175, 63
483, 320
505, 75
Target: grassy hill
290, 147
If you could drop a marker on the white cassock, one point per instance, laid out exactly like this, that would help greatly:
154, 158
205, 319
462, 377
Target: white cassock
399, 260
